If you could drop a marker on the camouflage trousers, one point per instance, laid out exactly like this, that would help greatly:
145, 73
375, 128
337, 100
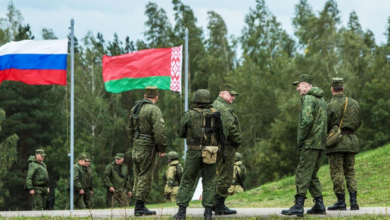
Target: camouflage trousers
78, 201
342, 164
170, 193
191, 169
120, 197
88, 199
225, 171
144, 163
40, 198
306, 174
235, 189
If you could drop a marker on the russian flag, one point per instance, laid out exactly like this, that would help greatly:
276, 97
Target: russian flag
34, 62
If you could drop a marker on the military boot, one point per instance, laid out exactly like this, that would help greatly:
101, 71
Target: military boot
297, 209
353, 201
340, 204
220, 208
318, 207
140, 209
181, 214
208, 213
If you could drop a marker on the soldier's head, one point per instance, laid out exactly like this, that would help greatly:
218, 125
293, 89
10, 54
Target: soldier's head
201, 96
337, 86
303, 84
87, 160
238, 157
81, 159
40, 155
151, 93
119, 158
226, 91
172, 155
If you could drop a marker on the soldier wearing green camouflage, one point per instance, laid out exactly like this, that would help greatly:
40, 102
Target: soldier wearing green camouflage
117, 182
147, 139
88, 193
239, 174
311, 144
191, 128
37, 180
342, 155
232, 142
80, 182
172, 176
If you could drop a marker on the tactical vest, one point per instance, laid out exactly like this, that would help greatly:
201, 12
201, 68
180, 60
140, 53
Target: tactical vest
202, 130
178, 175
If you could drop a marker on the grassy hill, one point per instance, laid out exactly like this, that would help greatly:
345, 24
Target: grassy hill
372, 172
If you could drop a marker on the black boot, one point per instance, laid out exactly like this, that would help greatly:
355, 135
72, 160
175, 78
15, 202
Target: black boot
318, 207
208, 213
181, 214
340, 204
140, 209
353, 201
220, 208
297, 209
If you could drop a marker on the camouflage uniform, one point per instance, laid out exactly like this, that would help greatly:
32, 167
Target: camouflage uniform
342, 155
172, 185
117, 176
38, 180
88, 196
146, 140
80, 183
239, 172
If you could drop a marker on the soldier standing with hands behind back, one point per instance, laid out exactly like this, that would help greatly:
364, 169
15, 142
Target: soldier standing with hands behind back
148, 139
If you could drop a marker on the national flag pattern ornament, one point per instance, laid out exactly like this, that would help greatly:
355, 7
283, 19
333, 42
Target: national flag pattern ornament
152, 67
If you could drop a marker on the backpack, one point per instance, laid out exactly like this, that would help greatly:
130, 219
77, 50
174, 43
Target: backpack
208, 124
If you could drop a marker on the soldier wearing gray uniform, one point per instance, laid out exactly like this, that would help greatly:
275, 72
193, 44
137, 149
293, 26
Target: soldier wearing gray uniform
342, 154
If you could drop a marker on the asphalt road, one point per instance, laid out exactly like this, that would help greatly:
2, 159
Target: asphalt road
193, 212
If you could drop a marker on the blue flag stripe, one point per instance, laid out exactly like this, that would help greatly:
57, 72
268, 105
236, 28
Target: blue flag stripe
33, 61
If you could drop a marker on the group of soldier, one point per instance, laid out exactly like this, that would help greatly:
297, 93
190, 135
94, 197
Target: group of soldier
213, 135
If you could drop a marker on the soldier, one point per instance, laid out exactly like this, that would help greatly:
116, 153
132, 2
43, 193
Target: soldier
172, 177
80, 183
199, 127
37, 180
147, 139
343, 113
311, 144
88, 194
117, 182
239, 174
227, 154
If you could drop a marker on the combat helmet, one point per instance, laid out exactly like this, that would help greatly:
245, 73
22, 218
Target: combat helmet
172, 155
238, 156
202, 96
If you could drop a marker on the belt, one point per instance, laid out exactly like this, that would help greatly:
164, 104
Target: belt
195, 147
145, 136
347, 132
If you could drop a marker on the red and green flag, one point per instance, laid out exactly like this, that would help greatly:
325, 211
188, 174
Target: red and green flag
151, 67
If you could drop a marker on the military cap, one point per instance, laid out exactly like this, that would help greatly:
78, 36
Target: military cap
337, 82
229, 88
303, 78
151, 91
81, 157
41, 152
119, 156
88, 158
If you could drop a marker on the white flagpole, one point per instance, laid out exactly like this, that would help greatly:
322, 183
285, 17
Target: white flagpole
186, 84
71, 111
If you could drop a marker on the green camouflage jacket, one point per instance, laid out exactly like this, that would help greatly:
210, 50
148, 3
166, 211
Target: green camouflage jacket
230, 121
80, 183
88, 178
37, 174
312, 121
151, 123
117, 177
351, 122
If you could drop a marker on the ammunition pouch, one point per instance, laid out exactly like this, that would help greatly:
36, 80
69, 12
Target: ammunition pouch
209, 154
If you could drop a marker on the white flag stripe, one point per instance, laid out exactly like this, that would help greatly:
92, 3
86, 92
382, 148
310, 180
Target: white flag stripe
35, 47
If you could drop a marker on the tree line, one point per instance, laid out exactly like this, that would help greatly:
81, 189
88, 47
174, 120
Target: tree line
267, 105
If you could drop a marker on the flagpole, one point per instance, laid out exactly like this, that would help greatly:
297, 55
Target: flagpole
186, 84
71, 111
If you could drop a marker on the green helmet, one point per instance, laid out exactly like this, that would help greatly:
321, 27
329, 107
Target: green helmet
173, 155
202, 96
238, 156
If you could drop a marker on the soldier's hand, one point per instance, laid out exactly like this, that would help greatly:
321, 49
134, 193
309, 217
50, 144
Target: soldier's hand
81, 192
91, 192
129, 194
162, 154
32, 192
112, 189
48, 190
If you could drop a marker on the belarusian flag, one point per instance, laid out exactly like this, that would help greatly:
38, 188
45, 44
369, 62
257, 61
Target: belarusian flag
152, 67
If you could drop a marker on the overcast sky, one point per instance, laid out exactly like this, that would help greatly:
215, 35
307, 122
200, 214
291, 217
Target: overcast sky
126, 17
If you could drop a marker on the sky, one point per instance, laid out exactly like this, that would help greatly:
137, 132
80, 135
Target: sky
126, 17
